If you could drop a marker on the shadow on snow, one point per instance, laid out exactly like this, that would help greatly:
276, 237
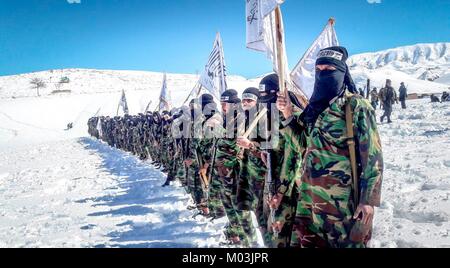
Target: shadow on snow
139, 193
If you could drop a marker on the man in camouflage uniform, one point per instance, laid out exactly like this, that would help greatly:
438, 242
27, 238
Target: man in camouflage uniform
155, 137
140, 148
268, 145
91, 126
252, 170
164, 141
174, 156
284, 201
226, 169
136, 137
146, 135
326, 214
192, 157
374, 98
388, 97
180, 130
403, 94
205, 147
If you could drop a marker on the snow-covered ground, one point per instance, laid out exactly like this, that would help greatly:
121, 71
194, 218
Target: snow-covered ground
415, 211
82, 193
67, 190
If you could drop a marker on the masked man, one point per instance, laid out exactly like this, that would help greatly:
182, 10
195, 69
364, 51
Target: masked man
327, 215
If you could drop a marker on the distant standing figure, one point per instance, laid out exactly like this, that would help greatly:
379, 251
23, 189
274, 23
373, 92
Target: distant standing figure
388, 98
445, 97
381, 96
374, 98
403, 95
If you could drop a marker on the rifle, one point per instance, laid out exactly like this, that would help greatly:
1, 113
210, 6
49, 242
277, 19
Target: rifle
352, 150
255, 122
203, 178
271, 187
185, 152
211, 170
269, 179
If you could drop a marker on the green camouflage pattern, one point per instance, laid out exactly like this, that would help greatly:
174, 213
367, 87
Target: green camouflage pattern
325, 206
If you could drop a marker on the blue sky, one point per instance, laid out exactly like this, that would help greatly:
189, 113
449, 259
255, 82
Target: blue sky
177, 35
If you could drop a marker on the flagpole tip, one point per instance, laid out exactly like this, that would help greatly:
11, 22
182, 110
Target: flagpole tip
332, 21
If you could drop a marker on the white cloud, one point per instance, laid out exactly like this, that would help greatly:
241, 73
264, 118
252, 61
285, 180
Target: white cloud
74, 1
374, 1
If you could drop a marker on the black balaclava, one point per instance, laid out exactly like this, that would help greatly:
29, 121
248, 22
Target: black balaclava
230, 96
207, 101
269, 85
329, 84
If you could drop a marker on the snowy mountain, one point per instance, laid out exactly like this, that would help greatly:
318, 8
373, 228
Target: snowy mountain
91, 81
408, 58
425, 68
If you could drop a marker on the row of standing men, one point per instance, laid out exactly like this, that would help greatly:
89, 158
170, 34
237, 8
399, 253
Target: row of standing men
292, 171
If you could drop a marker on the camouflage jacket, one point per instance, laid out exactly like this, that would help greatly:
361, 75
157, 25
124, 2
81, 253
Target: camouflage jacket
326, 168
227, 149
211, 129
292, 161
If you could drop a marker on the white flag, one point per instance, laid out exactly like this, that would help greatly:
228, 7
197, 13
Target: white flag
262, 30
303, 75
123, 103
164, 97
213, 77
99, 127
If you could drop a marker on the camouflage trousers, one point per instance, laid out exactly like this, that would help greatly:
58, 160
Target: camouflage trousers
240, 223
165, 157
321, 222
181, 173
156, 156
195, 186
215, 204
284, 218
173, 166
251, 191
138, 149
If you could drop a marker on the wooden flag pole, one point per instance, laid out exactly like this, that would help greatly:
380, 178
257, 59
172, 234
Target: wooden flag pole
190, 93
157, 106
198, 92
281, 71
280, 53
148, 106
252, 126
118, 106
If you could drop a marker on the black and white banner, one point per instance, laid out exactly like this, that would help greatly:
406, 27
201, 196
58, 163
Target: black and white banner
213, 77
123, 103
164, 97
262, 31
